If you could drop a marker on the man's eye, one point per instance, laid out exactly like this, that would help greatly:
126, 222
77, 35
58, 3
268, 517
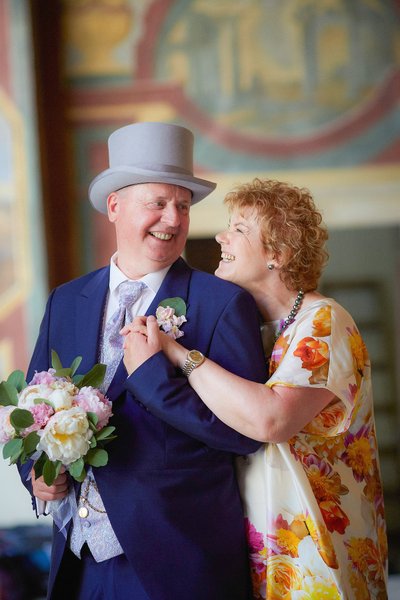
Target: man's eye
184, 208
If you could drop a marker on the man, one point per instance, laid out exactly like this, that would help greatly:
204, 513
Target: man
163, 519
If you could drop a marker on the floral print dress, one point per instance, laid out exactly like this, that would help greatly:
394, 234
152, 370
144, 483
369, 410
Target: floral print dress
314, 505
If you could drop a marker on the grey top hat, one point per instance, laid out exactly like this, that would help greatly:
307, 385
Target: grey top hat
148, 153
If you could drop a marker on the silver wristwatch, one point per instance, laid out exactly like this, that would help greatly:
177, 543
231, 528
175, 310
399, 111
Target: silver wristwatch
194, 359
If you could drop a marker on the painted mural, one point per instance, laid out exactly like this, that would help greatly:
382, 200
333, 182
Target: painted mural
21, 260
266, 85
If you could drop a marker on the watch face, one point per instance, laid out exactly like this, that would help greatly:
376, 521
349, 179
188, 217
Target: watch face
195, 356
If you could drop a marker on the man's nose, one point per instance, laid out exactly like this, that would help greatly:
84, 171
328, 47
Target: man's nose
171, 216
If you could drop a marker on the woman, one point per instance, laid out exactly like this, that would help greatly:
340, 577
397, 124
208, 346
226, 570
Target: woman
313, 494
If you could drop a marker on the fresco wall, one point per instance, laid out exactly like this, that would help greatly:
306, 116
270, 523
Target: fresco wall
307, 91
23, 285
22, 282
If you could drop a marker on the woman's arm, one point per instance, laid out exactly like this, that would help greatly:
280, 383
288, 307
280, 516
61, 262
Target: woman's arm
255, 410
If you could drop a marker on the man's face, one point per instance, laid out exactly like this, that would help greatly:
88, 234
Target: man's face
151, 223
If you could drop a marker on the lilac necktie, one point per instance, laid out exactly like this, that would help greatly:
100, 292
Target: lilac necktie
111, 347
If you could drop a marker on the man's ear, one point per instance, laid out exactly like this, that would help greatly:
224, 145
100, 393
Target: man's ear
112, 207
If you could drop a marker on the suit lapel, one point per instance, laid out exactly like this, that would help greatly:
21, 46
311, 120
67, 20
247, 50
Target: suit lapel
89, 316
176, 283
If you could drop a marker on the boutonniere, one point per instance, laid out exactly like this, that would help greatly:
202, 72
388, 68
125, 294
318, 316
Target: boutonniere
170, 315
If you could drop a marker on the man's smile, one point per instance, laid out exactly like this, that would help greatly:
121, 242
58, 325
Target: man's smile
161, 236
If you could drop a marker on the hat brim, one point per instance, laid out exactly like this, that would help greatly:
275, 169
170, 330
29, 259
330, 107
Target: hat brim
116, 178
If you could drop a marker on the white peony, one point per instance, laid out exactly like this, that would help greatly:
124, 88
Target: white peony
61, 399
7, 431
66, 436
27, 397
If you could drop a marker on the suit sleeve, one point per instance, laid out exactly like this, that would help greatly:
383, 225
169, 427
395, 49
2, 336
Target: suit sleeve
40, 361
166, 393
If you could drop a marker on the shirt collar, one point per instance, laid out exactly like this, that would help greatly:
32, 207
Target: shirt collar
152, 280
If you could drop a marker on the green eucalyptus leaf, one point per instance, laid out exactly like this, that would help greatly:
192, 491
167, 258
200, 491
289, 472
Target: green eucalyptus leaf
76, 468
104, 433
16, 457
49, 472
94, 377
178, 304
17, 379
39, 464
58, 465
77, 380
93, 418
8, 394
75, 364
30, 442
55, 361
97, 457
63, 372
12, 448
21, 418
108, 439
23, 458
43, 401
93, 442
81, 477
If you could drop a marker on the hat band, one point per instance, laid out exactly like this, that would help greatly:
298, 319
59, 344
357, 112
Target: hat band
156, 167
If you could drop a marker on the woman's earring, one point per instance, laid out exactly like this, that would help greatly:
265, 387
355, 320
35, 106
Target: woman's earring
271, 267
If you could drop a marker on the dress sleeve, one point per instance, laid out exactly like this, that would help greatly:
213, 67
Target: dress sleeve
324, 350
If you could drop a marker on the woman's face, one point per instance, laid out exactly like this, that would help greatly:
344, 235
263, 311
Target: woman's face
243, 257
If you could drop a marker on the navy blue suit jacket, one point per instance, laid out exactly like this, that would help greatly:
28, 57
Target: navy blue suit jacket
169, 488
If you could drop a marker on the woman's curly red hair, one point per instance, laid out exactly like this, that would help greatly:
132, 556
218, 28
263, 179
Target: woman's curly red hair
291, 227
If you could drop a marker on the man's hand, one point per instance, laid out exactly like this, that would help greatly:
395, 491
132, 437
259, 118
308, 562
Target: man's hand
57, 491
142, 340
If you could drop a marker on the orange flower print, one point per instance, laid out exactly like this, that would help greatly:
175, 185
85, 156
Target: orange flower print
322, 322
366, 558
325, 482
334, 517
330, 448
358, 350
327, 487
282, 539
283, 577
329, 420
278, 352
314, 355
359, 454
321, 538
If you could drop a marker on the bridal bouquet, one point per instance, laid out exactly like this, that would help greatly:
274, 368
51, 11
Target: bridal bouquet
59, 420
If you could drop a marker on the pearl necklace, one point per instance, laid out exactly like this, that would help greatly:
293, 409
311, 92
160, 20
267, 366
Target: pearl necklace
292, 315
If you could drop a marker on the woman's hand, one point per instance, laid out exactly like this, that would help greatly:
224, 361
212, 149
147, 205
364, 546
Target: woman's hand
57, 491
143, 339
